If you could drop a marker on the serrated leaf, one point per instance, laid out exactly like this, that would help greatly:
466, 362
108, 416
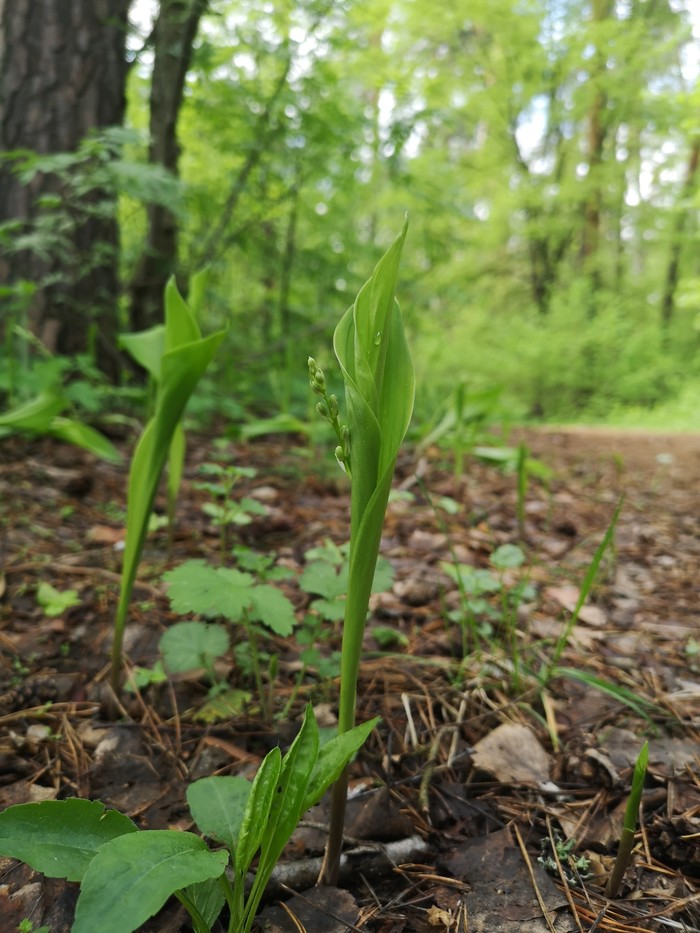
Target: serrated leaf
131, 877
273, 609
323, 579
186, 646
196, 586
60, 837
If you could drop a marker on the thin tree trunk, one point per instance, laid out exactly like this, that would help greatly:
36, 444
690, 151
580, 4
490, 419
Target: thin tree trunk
63, 74
173, 37
595, 140
673, 266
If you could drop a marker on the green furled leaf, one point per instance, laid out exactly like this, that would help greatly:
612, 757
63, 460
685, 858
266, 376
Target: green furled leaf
196, 586
60, 837
273, 609
176, 467
180, 323
257, 812
288, 802
146, 347
332, 758
217, 805
197, 288
131, 877
181, 368
371, 347
186, 646
82, 435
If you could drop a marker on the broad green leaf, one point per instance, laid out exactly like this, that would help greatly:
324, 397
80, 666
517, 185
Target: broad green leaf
131, 877
331, 609
507, 556
217, 805
273, 609
82, 435
207, 897
35, 415
59, 838
332, 758
323, 578
196, 586
186, 646
146, 347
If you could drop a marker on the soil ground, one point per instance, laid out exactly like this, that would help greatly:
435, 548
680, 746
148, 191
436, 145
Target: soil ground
491, 796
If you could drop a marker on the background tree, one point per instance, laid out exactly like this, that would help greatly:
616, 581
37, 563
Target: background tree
172, 39
62, 75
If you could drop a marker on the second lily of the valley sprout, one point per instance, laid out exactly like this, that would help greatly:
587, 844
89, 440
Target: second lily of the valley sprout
371, 347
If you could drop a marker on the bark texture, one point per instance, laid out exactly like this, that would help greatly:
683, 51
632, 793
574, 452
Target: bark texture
62, 74
173, 38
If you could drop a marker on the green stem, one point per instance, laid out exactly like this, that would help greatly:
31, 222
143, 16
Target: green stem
624, 852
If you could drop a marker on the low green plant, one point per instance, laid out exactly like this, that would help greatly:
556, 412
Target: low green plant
464, 422
488, 595
126, 875
184, 358
224, 510
629, 823
55, 602
234, 595
41, 416
371, 348
549, 669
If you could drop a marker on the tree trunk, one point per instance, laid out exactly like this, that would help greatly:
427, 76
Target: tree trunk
673, 267
173, 36
63, 74
595, 141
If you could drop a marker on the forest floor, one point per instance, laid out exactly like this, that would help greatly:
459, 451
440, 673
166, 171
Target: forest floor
486, 760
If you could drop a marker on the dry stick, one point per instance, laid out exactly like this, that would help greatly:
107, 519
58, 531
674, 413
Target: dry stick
562, 874
533, 880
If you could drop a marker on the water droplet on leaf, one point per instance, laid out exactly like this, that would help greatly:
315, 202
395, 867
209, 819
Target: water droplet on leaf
377, 338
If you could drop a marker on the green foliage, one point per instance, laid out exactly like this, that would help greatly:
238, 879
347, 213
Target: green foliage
126, 875
326, 576
224, 592
186, 355
41, 417
634, 800
371, 348
55, 602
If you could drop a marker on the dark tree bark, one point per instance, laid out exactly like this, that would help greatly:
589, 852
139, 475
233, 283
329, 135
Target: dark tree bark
173, 37
63, 74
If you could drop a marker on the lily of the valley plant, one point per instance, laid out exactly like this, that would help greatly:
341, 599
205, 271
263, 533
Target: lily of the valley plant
184, 356
371, 347
126, 875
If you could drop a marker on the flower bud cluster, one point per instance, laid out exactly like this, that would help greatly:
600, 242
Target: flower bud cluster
329, 410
